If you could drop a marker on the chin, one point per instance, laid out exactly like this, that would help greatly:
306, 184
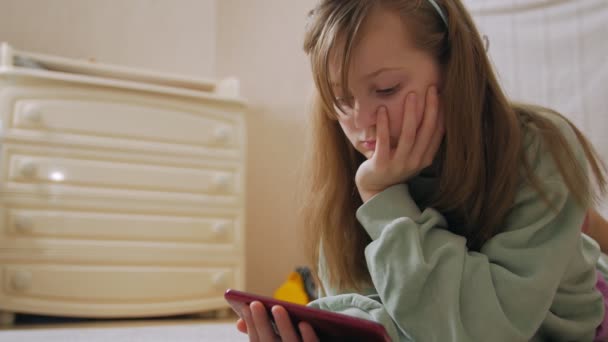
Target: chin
366, 153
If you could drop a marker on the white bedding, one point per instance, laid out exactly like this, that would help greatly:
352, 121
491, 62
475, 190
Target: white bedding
220, 332
553, 53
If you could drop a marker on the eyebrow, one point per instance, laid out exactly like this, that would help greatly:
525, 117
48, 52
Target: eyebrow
371, 74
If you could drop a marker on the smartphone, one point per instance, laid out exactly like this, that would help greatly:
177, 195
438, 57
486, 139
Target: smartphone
329, 326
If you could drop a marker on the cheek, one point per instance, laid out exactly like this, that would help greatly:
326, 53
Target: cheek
348, 129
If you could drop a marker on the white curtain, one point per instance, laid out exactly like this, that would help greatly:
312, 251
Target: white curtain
553, 53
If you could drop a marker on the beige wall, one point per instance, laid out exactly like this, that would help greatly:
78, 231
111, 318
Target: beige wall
257, 41
167, 35
260, 42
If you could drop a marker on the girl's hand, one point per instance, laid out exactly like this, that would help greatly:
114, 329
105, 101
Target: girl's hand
415, 149
256, 323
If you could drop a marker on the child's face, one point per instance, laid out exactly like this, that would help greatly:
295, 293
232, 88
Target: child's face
384, 68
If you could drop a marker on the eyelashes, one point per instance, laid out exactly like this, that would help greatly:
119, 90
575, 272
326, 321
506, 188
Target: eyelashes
346, 103
388, 91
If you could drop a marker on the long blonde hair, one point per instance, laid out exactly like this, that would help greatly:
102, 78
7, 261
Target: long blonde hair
483, 139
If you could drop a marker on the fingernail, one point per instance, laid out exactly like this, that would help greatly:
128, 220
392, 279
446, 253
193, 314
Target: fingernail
411, 96
382, 110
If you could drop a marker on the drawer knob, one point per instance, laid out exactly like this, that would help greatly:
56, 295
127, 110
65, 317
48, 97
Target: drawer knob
221, 134
220, 280
22, 280
220, 229
32, 115
24, 224
28, 169
221, 182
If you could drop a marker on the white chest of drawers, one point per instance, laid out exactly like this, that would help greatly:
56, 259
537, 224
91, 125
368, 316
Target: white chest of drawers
121, 191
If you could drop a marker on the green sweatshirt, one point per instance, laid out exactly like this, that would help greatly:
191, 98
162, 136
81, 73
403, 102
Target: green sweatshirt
535, 281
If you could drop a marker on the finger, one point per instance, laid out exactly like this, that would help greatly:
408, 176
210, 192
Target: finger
286, 329
428, 126
251, 331
241, 325
408, 129
308, 333
431, 151
262, 322
420, 105
383, 143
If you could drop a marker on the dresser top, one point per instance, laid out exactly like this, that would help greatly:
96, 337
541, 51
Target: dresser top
26, 64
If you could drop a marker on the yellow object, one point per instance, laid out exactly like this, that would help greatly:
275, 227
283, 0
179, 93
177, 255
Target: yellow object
293, 290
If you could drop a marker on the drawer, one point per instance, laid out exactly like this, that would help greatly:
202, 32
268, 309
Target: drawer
115, 283
33, 171
115, 291
122, 202
123, 120
18, 249
130, 121
38, 223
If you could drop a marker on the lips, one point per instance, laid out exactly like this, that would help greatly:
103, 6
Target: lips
369, 144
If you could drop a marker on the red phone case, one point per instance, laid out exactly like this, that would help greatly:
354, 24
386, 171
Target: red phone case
328, 325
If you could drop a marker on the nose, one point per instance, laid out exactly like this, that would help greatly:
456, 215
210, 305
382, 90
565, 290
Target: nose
364, 115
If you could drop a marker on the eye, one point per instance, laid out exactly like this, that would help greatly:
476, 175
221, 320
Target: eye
387, 91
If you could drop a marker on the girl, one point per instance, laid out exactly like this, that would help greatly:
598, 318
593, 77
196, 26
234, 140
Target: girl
435, 206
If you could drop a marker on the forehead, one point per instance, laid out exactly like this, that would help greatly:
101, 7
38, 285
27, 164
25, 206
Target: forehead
383, 42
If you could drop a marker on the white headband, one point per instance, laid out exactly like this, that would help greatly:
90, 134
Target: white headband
439, 11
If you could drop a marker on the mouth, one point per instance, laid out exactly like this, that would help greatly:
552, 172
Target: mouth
369, 144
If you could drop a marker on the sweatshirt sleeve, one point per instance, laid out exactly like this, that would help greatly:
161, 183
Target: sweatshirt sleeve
434, 289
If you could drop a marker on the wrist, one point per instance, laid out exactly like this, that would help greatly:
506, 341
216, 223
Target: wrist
366, 195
